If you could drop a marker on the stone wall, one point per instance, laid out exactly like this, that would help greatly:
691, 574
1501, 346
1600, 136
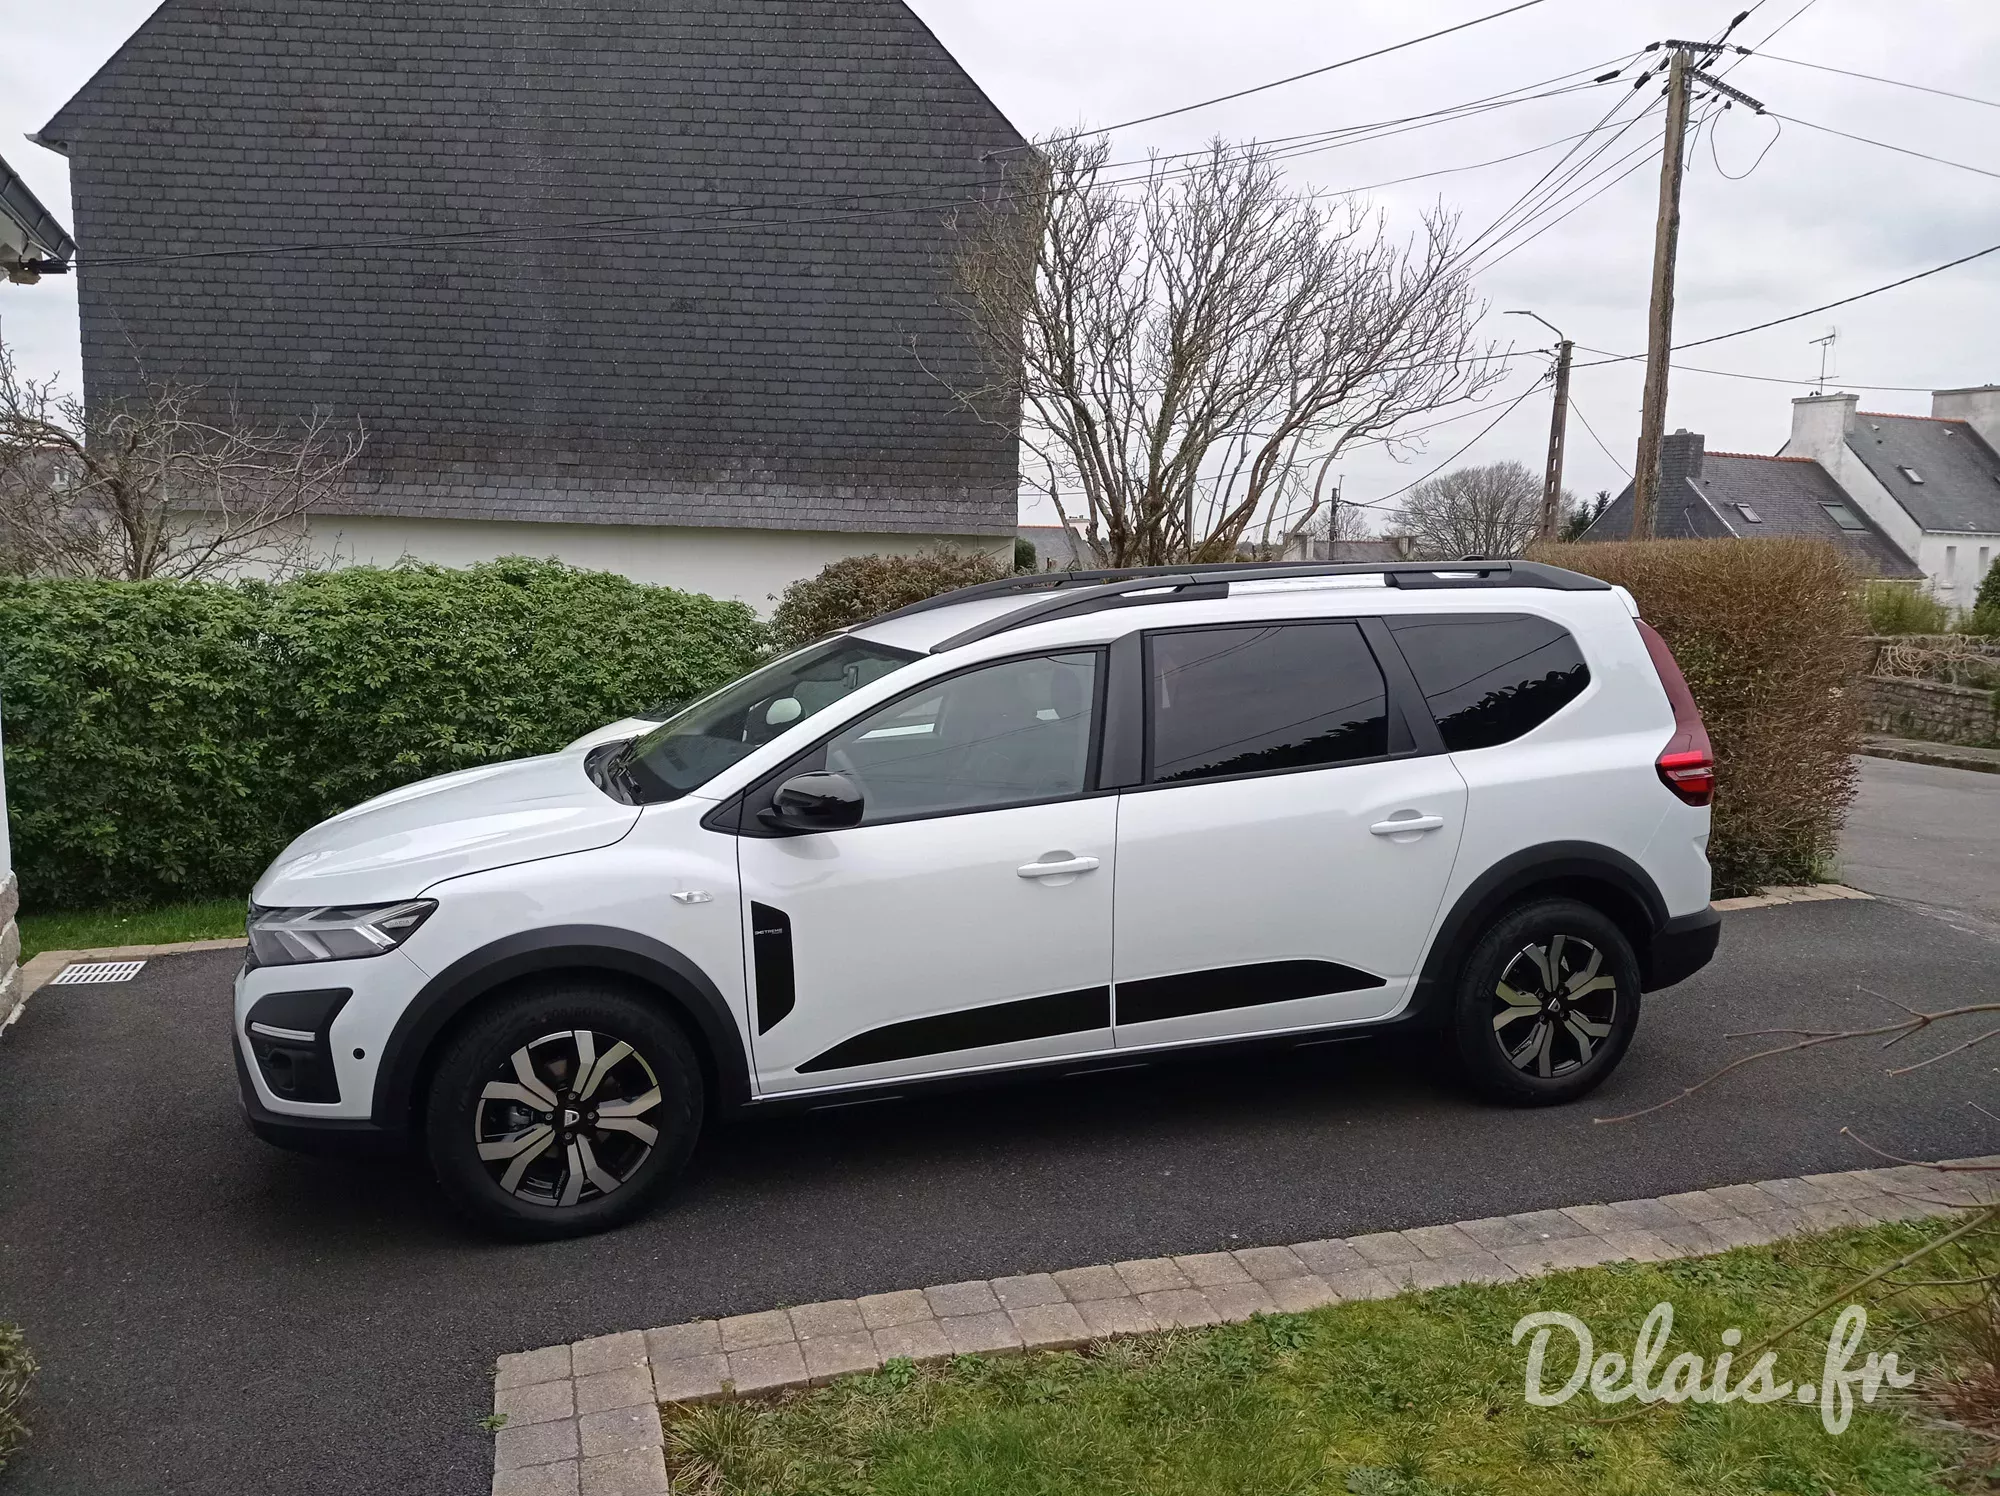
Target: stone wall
1933, 710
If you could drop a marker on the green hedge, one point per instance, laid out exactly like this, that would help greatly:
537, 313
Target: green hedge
1768, 633
165, 739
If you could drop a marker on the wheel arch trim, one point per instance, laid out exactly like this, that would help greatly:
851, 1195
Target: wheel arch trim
687, 989
1642, 910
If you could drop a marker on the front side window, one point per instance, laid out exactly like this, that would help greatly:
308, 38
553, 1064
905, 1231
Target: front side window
1229, 701
1489, 680
1007, 734
707, 736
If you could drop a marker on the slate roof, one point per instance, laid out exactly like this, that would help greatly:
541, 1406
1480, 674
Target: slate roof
25, 225
741, 356
1786, 493
1961, 473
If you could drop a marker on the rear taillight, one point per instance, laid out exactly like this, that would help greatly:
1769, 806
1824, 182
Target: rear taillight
1687, 764
1690, 775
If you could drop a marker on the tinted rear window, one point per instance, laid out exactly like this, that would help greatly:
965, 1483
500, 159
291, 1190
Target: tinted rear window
1490, 679
1251, 700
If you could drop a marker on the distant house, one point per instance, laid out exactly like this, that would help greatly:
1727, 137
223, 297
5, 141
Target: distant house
650, 285
1910, 497
1057, 548
1714, 495
1931, 482
1300, 546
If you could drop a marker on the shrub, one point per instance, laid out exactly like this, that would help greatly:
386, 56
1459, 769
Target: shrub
17, 1374
166, 739
1903, 608
1988, 598
1768, 634
858, 588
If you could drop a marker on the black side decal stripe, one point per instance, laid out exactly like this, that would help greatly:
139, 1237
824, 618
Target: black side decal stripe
974, 1028
1226, 987
771, 945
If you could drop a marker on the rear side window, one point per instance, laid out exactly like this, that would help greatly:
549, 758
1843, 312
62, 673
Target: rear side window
1250, 700
1490, 679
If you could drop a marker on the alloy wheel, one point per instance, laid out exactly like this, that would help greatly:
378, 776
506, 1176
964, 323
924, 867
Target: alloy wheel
563, 1118
1554, 1005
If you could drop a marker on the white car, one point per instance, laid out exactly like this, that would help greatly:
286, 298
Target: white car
1029, 824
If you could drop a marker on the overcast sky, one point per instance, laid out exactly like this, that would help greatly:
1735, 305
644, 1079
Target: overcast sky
1819, 218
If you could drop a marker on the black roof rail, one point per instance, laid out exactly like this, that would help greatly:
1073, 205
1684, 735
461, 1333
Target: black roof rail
1086, 592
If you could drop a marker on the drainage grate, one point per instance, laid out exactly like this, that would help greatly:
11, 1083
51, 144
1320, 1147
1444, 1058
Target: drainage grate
96, 971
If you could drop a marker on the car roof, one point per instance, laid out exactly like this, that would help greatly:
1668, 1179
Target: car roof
969, 614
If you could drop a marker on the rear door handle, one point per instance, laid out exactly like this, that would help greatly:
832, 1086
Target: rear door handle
1069, 867
1408, 823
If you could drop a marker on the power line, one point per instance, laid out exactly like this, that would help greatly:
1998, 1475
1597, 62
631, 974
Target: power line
1977, 254
1943, 93
1611, 358
1901, 150
1511, 406
1577, 411
1243, 93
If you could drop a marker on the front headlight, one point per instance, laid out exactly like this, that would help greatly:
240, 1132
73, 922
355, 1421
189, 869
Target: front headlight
287, 937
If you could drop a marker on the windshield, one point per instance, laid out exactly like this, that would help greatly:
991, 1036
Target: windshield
699, 742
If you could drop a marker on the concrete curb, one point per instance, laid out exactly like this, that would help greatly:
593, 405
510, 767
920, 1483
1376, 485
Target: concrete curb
583, 1419
36, 973
1938, 755
1791, 893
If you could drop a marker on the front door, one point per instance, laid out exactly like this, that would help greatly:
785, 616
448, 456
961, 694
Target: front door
1282, 864
966, 921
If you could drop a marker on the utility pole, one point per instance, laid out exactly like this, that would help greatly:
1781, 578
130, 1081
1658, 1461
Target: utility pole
1660, 318
1552, 476
1552, 480
1681, 69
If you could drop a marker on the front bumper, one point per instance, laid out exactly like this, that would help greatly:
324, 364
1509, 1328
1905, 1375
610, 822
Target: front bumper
1681, 947
320, 1135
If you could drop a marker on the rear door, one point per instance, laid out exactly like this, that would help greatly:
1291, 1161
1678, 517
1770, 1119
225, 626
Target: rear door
1282, 863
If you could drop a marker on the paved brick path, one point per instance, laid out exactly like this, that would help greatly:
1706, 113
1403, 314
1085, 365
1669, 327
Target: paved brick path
583, 1419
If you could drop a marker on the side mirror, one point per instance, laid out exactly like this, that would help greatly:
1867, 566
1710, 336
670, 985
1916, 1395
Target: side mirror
814, 802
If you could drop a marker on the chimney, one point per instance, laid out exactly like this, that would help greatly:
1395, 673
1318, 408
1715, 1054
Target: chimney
1978, 407
1680, 457
1820, 424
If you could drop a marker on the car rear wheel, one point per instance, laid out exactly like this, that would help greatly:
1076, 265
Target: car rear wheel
563, 1109
1547, 1003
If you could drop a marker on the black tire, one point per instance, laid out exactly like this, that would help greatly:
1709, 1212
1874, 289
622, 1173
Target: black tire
1564, 1037
559, 1189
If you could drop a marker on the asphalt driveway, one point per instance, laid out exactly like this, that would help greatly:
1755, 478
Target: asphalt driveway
1917, 831
215, 1316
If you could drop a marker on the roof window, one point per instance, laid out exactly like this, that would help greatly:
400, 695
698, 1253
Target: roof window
1841, 515
1911, 473
1750, 514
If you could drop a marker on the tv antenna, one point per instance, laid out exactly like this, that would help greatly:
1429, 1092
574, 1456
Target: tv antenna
1825, 346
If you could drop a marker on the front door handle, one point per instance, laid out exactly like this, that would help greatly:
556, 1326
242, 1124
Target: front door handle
1407, 823
1069, 867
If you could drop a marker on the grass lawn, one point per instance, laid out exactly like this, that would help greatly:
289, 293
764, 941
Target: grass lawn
1416, 1396
86, 929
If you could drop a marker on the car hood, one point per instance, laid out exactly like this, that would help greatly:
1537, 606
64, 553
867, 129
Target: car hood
397, 845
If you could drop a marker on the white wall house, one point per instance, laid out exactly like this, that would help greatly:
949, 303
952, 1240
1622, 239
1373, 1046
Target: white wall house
1931, 483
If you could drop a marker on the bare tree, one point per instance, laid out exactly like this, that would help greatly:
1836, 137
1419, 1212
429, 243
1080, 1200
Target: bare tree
160, 485
1185, 351
1475, 511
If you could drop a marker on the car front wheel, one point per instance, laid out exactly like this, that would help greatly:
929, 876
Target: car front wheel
1547, 1003
562, 1109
